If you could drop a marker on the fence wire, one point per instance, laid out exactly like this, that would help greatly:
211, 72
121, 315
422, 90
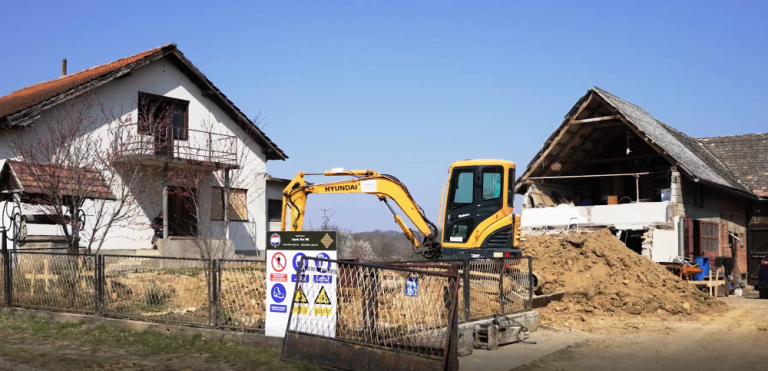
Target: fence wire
242, 295
489, 286
61, 282
157, 289
397, 308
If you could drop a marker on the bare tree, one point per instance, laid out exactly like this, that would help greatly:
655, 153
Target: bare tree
233, 173
82, 172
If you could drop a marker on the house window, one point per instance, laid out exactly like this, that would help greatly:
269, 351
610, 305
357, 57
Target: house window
163, 116
238, 205
274, 210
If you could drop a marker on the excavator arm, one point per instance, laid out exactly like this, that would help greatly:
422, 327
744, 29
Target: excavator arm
385, 187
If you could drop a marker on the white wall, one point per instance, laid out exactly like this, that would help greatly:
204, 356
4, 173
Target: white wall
665, 244
163, 78
624, 216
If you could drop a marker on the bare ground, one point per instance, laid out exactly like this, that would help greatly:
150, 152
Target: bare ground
734, 340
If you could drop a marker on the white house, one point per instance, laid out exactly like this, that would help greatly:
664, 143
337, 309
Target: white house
208, 133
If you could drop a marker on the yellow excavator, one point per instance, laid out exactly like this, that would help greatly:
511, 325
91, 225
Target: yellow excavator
476, 216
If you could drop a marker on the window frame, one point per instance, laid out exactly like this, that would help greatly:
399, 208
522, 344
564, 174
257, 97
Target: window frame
279, 203
491, 170
171, 103
511, 188
220, 192
452, 204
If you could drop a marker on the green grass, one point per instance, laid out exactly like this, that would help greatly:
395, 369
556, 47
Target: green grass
107, 339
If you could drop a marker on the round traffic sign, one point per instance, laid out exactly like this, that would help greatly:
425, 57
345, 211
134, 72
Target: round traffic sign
278, 262
319, 263
297, 259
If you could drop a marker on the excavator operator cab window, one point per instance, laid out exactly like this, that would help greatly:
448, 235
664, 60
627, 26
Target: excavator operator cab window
492, 181
463, 188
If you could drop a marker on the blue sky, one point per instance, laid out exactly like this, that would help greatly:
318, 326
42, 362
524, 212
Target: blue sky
407, 87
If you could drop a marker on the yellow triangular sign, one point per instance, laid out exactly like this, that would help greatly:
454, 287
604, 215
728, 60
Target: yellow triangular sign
299, 297
322, 297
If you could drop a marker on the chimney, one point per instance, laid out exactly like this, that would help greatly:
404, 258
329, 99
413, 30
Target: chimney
64, 67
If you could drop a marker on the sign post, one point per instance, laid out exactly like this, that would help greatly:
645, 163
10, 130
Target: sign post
285, 268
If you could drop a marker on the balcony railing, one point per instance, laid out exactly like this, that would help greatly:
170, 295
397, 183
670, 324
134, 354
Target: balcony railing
166, 142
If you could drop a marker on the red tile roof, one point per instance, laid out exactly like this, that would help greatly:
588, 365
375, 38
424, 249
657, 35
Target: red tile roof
38, 94
36, 179
32, 95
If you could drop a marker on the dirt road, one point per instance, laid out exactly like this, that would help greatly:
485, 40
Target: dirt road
735, 340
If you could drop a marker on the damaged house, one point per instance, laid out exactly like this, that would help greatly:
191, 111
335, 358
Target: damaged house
665, 194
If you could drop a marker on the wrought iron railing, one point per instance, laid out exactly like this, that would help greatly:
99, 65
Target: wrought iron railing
176, 143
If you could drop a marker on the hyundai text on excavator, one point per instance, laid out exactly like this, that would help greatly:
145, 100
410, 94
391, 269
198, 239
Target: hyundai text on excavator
476, 216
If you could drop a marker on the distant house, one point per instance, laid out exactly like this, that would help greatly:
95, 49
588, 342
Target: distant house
207, 129
611, 164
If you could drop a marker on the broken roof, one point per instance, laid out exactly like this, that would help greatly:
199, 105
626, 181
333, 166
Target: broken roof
23, 106
697, 158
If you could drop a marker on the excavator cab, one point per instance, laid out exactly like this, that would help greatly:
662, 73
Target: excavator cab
477, 210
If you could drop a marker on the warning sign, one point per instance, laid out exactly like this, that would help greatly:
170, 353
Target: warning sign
278, 262
299, 297
322, 297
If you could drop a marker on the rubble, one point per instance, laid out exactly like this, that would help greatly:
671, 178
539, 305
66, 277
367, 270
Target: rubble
603, 279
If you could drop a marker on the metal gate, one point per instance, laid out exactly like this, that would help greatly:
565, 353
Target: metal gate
374, 317
757, 248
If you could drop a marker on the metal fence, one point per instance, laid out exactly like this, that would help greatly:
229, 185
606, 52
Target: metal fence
372, 312
226, 294
489, 286
231, 294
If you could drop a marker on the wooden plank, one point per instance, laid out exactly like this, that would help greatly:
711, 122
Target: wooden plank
563, 131
594, 119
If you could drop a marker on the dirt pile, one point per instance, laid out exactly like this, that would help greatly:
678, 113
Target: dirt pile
605, 280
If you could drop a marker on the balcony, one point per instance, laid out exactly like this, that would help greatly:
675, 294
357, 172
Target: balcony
622, 216
176, 145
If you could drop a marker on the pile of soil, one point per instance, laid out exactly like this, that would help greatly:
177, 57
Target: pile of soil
604, 281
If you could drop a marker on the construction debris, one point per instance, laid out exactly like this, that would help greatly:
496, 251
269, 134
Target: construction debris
602, 278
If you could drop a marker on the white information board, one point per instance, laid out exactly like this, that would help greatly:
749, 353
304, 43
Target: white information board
284, 254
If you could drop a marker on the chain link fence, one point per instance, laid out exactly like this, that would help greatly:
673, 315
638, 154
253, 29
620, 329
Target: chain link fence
231, 294
373, 311
489, 286
159, 289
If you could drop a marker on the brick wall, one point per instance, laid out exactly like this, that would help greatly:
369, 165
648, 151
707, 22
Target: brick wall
733, 219
741, 253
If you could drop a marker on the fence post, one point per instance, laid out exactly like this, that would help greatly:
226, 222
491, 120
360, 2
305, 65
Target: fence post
501, 285
452, 361
529, 304
8, 274
465, 290
370, 303
98, 276
213, 293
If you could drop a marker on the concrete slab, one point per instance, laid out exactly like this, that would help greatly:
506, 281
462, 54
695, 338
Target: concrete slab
515, 355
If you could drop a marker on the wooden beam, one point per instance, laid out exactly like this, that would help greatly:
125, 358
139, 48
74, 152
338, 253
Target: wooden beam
594, 119
581, 108
625, 158
572, 143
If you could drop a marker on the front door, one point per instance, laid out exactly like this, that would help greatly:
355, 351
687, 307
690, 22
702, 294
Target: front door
474, 194
757, 248
182, 210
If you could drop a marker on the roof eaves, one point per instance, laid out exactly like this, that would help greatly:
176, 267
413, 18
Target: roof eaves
271, 149
29, 114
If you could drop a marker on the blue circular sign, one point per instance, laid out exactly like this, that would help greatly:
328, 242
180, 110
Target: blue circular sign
297, 259
319, 264
278, 293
